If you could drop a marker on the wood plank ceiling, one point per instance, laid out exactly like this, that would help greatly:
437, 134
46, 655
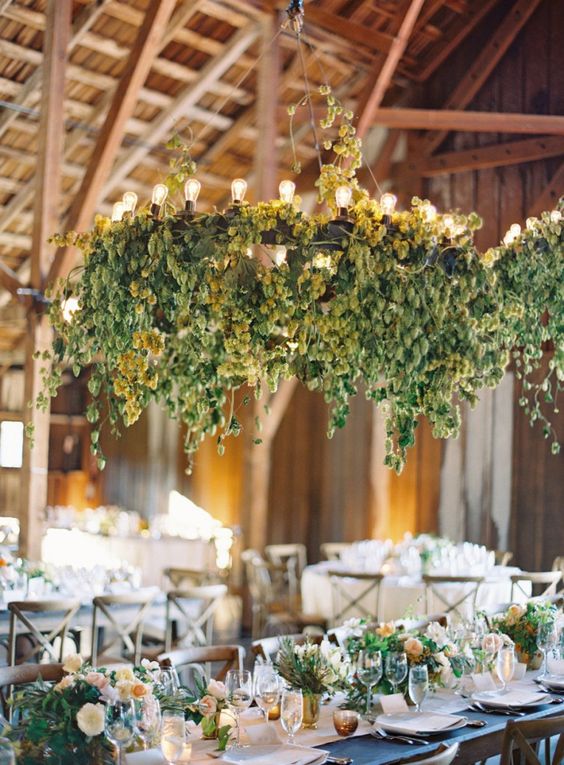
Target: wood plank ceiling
203, 82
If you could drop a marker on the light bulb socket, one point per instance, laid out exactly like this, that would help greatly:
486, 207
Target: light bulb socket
155, 210
190, 207
387, 220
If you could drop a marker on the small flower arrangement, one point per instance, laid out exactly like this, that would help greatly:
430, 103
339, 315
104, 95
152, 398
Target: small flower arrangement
63, 724
522, 625
316, 669
211, 703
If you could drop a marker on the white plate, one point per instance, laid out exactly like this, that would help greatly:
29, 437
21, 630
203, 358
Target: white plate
497, 700
553, 681
281, 754
413, 723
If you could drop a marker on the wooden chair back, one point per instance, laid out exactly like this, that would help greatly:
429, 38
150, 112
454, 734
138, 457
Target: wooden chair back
333, 550
547, 579
502, 557
421, 623
197, 627
128, 623
23, 674
56, 616
347, 604
521, 735
201, 658
453, 604
444, 755
294, 555
188, 577
268, 647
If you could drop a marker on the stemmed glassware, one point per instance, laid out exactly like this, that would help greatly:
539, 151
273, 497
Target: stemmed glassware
173, 735
368, 667
505, 665
119, 725
291, 712
266, 688
167, 679
147, 718
418, 684
545, 638
239, 695
396, 669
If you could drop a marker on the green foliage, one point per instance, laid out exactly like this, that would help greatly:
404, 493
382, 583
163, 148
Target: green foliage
522, 625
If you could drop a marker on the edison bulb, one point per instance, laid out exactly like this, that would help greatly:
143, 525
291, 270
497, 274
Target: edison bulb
238, 190
555, 216
192, 189
69, 308
160, 193
343, 197
117, 212
129, 202
429, 212
287, 190
388, 203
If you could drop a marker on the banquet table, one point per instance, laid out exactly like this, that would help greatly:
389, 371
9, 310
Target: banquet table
399, 595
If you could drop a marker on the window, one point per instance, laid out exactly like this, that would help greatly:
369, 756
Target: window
11, 444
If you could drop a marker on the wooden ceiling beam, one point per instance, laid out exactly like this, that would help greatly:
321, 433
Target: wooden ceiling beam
490, 55
551, 193
112, 133
373, 96
477, 122
9, 279
349, 30
496, 155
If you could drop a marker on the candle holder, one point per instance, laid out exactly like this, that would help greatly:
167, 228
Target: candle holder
345, 721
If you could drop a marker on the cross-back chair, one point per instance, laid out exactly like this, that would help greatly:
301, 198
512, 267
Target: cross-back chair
188, 577
456, 594
197, 627
124, 614
23, 674
537, 579
268, 647
200, 660
502, 557
290, 559
347, 604
520, 736
53, 618
333, 550
444, 755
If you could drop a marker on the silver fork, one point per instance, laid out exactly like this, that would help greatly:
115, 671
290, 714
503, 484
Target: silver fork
382, 734
509, 711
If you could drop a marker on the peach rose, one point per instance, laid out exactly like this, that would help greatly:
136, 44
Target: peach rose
386, 630
73, 662
492, 642
413, 647
66, 682
216, 689
208, 706
139, 690
97, 679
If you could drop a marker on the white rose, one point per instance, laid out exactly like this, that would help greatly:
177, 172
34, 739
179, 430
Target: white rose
125, 673
150, 666
73, 662
90, 719
354, 627
436, 633
216, 689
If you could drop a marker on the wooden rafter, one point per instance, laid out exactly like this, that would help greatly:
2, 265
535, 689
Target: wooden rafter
491, 54
479, 122
9, 279
374, 94
111, 135
550, 195
349, 30
496, 155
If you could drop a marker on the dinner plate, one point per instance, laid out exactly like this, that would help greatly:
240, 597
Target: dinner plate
420, 723
553, 681
282, 754
516, 699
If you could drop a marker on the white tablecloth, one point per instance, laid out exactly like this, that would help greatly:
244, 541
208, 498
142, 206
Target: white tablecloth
399, 596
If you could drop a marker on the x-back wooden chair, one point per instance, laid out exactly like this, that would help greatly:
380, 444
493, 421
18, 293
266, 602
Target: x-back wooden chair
268, 647
520, 735
453, 604
200, 659
129, 627
347, 605
198, 629
23, 674
333, 550
52, 622
547, 579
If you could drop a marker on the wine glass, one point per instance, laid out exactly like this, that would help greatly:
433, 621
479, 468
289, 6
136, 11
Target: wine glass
173, 735
396, 669
167, 679
147, 718
266, 689
7, 754
291, 712
505, 665
119, 725
239, 695
369, 673
545, 638
418, 684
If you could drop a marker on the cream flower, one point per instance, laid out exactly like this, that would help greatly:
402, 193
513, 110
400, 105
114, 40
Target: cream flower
73, 662
514, 613
216, 689
413, 647
492, 642
90, 719
66, 682
125, 673
437, 633
386, 630
208, 705
150, 666
124, 689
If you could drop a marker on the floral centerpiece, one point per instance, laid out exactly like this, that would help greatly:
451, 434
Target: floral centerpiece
63, 724
431, 647
315, 669
522, 624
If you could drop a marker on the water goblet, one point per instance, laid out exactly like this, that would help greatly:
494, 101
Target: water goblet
396, 669
147, 718
173, 735
119, 725
291, 712
7, 754
418, 684
505, 665
239, 695
369, 673
266, 688
545, 638
167, 679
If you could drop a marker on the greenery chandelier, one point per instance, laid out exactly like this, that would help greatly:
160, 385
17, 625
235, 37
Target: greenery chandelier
183, 308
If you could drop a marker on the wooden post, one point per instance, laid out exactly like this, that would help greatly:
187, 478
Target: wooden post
46, 218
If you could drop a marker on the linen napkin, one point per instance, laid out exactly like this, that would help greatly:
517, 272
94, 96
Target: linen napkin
266, 755
149, 757
394, 704
515, 698
261, 734
424, 721
483, 681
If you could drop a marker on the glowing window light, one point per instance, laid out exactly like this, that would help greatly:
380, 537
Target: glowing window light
11, 444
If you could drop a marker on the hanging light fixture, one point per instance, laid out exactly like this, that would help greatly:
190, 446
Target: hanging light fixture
160, 193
